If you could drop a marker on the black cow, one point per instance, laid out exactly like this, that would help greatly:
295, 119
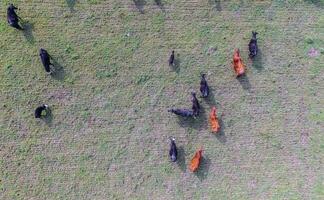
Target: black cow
182, 112
204, 89
253, 46
45, 57
195, 104
13, 18
40, 109
173, 152
171, 59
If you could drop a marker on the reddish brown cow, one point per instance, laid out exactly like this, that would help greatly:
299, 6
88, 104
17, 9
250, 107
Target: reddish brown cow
195, 161
214, 120
238, 65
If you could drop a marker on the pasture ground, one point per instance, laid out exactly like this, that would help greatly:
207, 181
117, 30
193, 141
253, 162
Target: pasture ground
107, 137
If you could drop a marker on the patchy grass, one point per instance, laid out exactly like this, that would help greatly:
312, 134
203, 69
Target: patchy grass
108, 133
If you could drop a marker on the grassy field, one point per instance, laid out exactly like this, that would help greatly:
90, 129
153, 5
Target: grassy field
108, 134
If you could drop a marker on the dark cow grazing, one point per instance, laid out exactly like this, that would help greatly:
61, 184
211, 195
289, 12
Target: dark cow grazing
45, 57
173, 152
182, 112
204, 89
12, 17
171, 59
195, 104
40, 109
253, 46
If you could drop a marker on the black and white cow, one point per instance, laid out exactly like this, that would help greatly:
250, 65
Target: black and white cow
173, 152
40, 109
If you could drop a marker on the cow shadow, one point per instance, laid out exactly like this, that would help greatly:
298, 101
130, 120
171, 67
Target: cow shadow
59, 72
71, 4
221, 137
241, 2
203, 169
244, 81
210, 100
319, 3
28, 31
257, 61
198, 123
140, 5
48, 118
176, 66
181, 159
216, 4
159, 4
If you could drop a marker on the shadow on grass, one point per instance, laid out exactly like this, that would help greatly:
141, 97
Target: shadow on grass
48, 118
257, 61
319, 3
71, 4
176, 66
210, 100
203, 169
59, 72
140, 5
221, 137
160, 4
28, 31
181, 159
216, 4
199, 123
244, 81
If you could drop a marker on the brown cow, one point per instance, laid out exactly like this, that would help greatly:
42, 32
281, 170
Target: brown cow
214, 120
238, 65
195, 161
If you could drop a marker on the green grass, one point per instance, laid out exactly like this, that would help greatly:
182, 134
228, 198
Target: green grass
108, 136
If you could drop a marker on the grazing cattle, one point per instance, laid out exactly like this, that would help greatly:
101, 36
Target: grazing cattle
171, 59
12, 17
195, 104
195, 161
173, 152
214, 120
238, 63
45, 57
40, 109
204, 89
182, 112
253, 45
